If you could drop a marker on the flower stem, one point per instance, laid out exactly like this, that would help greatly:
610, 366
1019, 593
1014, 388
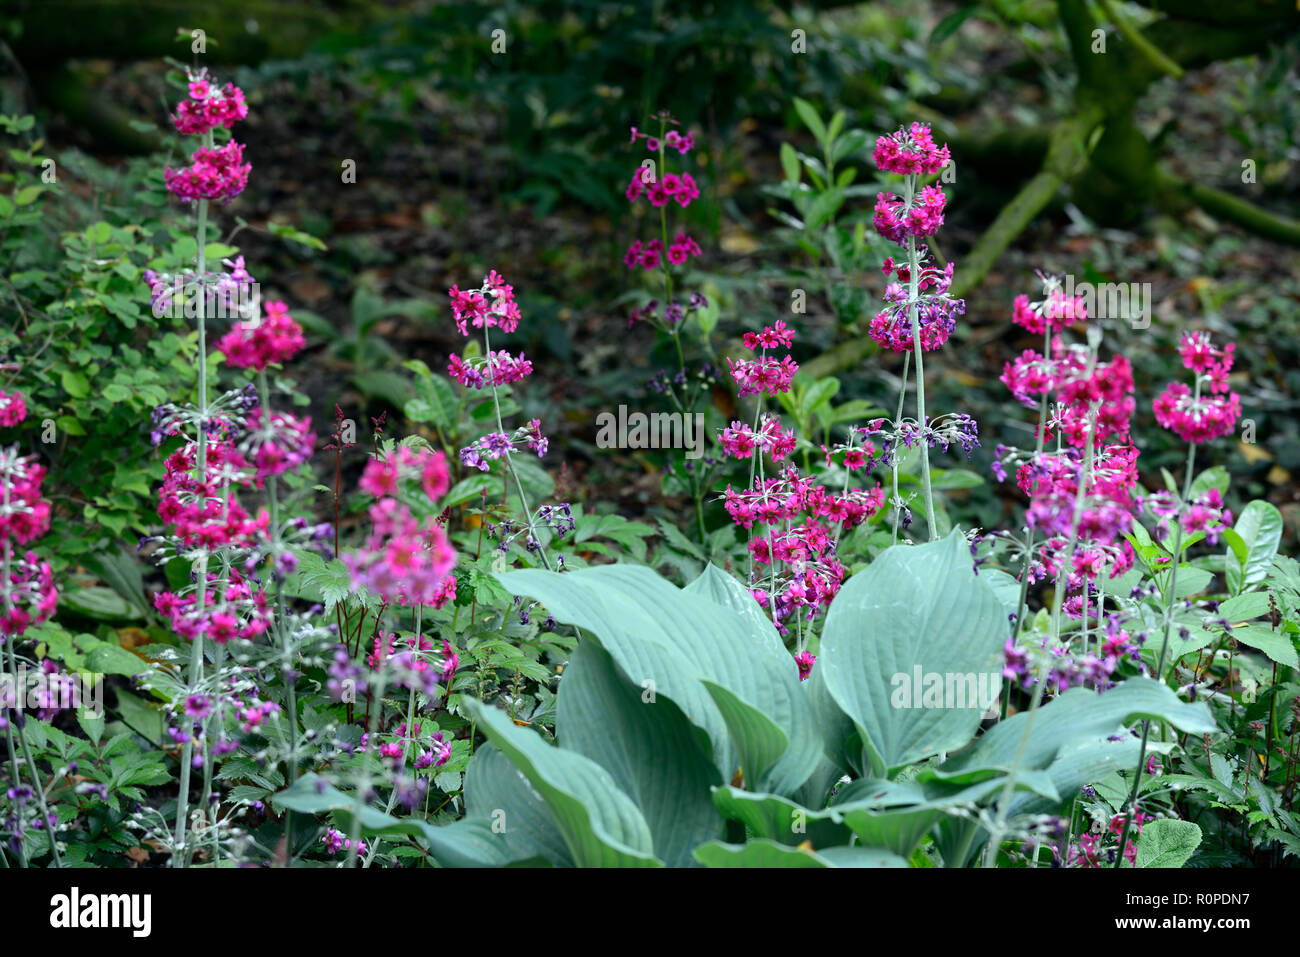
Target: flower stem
1058, 595
913, 268
898, 418
201, 565
1164, 649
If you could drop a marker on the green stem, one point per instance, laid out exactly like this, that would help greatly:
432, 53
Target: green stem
898, 417
201, 565
1170, 601
22, 735
523, 499
1058, 595
913, 269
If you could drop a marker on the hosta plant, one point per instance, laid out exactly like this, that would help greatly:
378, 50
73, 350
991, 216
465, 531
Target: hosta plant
685, 737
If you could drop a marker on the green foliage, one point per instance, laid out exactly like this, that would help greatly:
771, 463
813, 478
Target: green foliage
672, 694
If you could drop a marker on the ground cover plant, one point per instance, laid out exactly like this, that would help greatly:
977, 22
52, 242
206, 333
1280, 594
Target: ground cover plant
284, 589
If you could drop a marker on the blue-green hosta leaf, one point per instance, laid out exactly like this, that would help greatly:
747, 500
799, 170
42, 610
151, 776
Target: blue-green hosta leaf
765, 853
1005, 588
724, 590
898, 815
917, 615
497, 793
760, 742
1260, 528
601, 825
841, 743
666, 639
779, 819
1077, 738
653, 753
1167, 843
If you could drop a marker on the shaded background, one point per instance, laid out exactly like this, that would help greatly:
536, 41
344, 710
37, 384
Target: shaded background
1120, 166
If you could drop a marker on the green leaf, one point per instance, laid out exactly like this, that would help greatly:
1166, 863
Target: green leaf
917, 615
436, 402
1260, 527
110, 659
294, 235
75, 384
630, 535
666, 640
955, 478
648, 747
760, 742
1278, 645
388, 386
601, 825
314, 576
1167, 843
99, 603
765, 853
810, 119
1077, 737
1216, 477
789, 163
123, 573
724, 590
780, 819
537, 482
951, 24
469, 488
497, 793
1192, 580
1245, 607
825, 206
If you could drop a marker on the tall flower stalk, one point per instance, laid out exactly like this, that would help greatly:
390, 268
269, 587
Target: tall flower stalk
921, 315
1206, 411
29, 597
493, 306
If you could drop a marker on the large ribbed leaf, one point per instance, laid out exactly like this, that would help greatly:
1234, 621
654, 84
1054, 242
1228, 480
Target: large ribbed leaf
496, 792
600, 824
724, 590
917, 614
647, 746
1077, 738
779, 819
841, 743
764, 853
666, 640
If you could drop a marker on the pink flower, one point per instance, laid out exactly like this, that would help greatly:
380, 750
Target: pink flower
275, 339
911, 151
764, 375
805, 660
12, 408
218, 173
1196, 419
491, 305
209, 106
279, 445
896, 221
